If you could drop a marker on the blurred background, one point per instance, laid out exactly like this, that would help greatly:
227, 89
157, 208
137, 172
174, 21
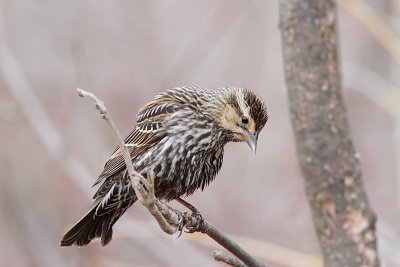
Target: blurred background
54, 144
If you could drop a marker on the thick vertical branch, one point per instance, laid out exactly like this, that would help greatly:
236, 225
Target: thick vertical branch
343, 219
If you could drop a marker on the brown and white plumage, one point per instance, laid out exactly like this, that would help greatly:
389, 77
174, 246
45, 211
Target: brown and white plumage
179, 135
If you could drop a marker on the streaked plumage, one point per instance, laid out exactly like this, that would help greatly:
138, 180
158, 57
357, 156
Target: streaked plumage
179, 135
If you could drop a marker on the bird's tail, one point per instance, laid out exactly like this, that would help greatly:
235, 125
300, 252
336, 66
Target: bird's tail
90, 227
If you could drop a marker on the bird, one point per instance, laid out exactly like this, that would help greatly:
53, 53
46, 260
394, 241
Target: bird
179, 136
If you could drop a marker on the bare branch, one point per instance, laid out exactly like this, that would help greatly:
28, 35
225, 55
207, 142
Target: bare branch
169, 219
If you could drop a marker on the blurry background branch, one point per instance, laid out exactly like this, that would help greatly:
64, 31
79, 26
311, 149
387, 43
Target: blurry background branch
376, 26
343, 218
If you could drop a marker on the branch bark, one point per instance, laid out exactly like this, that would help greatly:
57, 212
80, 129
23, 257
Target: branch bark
343, 219
169, 219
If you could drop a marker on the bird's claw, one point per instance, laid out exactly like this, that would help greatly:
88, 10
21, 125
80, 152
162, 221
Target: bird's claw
198, 227
181, 224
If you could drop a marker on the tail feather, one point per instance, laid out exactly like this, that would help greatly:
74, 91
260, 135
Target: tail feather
102, 215
88, 228
106, 232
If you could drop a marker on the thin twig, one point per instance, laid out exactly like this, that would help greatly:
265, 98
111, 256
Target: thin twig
228, 259
231, 246
170, 220
134, 175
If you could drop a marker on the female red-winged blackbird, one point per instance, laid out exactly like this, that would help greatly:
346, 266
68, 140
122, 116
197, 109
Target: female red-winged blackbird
180, 136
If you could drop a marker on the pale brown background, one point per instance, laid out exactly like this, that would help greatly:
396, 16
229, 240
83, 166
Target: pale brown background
53, 144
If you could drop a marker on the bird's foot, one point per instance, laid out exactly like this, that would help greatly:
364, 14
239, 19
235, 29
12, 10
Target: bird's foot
193, 222
196, 225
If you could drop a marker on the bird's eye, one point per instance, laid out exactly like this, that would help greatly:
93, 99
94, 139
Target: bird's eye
245, 120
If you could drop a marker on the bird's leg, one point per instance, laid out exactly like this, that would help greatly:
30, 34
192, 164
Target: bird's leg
196, 214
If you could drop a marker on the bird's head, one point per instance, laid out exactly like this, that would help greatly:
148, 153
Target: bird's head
242, 115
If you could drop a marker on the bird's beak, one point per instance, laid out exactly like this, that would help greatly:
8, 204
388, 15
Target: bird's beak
251, 139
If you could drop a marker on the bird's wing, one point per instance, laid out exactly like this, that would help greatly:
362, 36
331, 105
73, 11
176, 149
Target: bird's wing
148, 131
